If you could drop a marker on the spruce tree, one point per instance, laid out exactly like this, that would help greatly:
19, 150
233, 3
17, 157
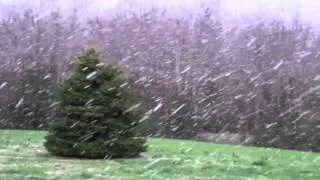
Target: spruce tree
96, 118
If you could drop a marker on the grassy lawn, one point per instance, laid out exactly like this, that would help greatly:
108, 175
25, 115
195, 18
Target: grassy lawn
22, 156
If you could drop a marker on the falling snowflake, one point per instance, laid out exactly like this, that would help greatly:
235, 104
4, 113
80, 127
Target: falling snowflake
91, 75
317, 78
157, 107
132, 108
177, 110
20, 102
3, 85
278, 65
47, 76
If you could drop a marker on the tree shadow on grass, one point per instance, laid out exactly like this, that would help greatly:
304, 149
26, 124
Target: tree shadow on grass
46, 154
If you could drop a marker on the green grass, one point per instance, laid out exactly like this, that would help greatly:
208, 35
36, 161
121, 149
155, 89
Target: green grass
22, 156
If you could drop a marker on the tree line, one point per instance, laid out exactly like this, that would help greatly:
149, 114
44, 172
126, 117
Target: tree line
191, 75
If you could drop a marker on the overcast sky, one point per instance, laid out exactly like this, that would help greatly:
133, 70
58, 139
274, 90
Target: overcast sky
307, 10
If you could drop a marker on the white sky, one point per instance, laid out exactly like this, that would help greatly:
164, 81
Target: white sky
307, 10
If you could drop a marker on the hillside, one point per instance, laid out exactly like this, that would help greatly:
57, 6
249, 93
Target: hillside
22, 156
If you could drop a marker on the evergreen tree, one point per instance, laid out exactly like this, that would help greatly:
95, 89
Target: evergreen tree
96, 118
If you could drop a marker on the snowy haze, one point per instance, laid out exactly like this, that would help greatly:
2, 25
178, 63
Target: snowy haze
191, 74
305, 10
